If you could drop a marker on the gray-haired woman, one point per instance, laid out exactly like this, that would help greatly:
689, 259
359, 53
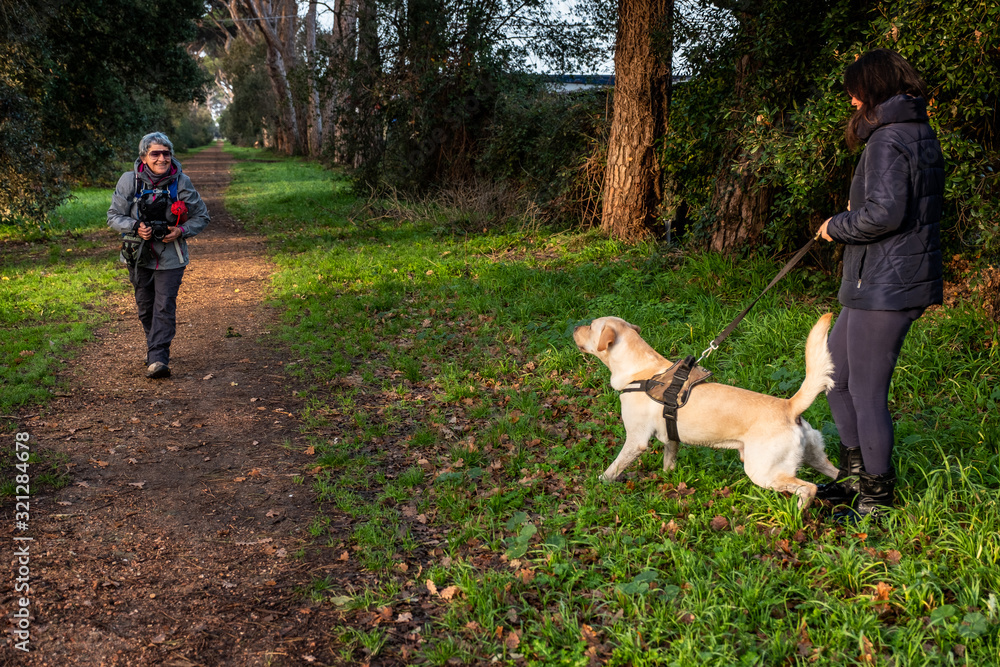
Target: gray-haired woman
155, 208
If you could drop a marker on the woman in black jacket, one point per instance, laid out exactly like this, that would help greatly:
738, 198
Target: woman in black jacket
892, 266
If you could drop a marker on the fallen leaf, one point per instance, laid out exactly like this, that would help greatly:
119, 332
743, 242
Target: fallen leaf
449, 592
137, 485
310, 450
512, 640
882, 591
867, 656
719, 522
431, 587
208, 377
405, 617
344, 556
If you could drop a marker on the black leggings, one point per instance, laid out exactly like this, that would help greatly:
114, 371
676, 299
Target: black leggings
865, 345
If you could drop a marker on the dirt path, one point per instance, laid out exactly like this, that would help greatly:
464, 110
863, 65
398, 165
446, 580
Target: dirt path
179, 540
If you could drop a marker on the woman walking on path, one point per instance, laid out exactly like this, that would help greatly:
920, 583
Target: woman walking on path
155, 208
892, 267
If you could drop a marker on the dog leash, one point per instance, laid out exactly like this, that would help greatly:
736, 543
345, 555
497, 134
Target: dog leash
714, 345
672, 387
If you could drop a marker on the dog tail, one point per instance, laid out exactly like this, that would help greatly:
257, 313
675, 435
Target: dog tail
819, 367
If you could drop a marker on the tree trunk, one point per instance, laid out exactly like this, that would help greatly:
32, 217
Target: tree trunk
287, 140
343, 41
643, 58
368, 138
742, 205
315, 135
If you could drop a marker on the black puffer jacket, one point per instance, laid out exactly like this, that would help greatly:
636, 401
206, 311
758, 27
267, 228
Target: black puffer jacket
893, 256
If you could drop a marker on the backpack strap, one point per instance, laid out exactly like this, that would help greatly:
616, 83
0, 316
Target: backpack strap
138, 193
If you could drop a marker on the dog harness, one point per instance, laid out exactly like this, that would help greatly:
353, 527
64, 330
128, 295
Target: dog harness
672, 388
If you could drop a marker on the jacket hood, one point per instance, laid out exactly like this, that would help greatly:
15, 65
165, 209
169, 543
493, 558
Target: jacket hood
898, 109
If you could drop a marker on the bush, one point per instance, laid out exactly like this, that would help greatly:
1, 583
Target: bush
551, 144
190, 125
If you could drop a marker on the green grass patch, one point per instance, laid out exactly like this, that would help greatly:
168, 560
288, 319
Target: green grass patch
53, 284
460, 433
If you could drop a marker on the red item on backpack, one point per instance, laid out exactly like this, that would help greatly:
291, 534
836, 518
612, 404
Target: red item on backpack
179, 209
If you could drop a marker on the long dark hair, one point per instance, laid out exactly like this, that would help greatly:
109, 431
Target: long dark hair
875, 77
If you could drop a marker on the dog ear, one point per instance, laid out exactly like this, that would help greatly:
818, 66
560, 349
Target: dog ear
637, 329
608, 336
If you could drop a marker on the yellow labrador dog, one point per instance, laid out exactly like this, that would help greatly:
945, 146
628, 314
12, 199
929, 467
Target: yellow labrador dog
772, 438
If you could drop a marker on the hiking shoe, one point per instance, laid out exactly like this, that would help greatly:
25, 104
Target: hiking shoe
158, 369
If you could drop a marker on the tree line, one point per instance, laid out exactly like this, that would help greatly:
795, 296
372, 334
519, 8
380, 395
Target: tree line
724, 126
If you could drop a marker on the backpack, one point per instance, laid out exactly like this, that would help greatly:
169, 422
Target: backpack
135, 250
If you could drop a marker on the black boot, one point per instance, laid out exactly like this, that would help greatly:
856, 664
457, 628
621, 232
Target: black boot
875, 498
842, 490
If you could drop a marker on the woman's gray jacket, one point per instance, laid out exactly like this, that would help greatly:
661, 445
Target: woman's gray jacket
893, 234
123, 214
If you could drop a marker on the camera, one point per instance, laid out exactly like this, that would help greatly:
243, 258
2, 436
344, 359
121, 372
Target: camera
159, 228
154, 214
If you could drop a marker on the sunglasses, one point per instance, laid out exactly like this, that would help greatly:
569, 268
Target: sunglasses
156, 154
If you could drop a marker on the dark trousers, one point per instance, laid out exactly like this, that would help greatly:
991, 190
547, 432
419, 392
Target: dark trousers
865, 345
156, 300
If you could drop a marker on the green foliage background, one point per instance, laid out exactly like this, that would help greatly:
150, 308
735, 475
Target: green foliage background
789, 123
80, 82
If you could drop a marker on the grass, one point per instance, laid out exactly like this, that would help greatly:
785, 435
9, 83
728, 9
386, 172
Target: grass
461, 433
53, 285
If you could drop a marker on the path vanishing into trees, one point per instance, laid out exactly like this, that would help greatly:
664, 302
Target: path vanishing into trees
179, 540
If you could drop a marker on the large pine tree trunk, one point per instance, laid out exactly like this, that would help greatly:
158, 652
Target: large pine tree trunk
643, 56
